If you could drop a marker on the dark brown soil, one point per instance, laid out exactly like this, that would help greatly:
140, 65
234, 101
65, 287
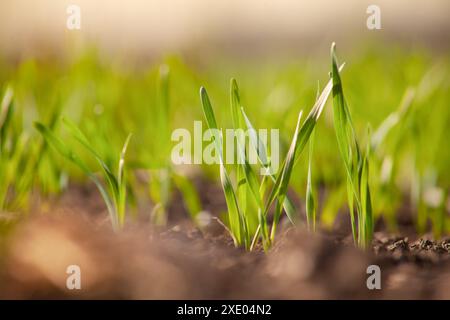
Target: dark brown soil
182, 262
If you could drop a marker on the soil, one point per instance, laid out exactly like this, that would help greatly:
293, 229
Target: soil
181, 262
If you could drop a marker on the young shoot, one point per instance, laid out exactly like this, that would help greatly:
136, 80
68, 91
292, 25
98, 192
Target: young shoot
114, 193
355, 162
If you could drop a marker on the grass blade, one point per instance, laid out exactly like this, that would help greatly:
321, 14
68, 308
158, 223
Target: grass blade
261, 150
6, 111
280, 187
60, 147
83, 140
236, 219
310, 208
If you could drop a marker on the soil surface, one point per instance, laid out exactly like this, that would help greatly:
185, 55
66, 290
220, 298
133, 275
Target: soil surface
181, 262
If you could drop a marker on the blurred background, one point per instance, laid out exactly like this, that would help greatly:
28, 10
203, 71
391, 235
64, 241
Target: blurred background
154, 27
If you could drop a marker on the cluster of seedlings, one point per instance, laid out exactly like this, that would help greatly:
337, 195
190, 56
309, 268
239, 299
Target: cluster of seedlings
255, 203
273, 191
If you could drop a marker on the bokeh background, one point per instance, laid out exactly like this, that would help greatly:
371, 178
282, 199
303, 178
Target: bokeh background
153, 27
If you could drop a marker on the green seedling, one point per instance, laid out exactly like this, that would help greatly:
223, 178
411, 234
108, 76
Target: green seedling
114, 194
356, 164
163, 177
